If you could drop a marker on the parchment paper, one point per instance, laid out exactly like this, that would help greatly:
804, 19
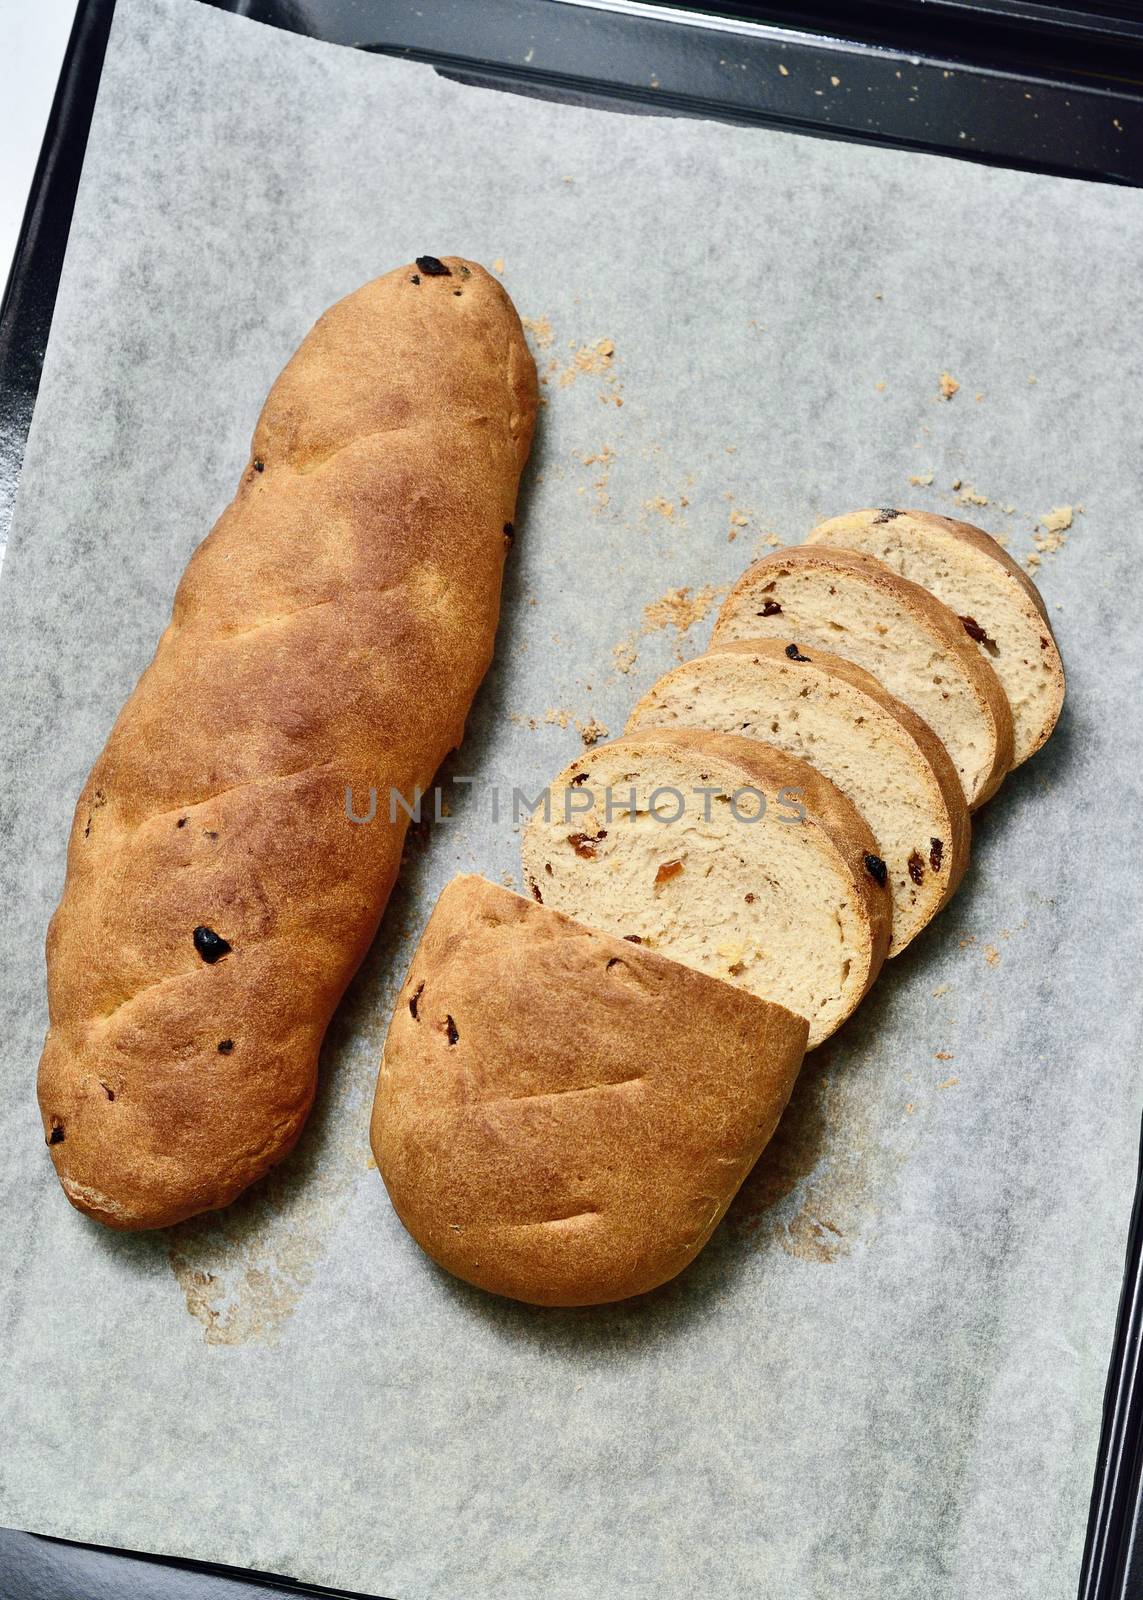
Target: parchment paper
883, 1378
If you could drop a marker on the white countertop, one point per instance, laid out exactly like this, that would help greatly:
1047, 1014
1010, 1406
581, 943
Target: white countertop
33, 38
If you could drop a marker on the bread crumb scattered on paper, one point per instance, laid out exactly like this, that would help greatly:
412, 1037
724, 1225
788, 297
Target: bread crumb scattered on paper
624, 655
941, 988
591, 731
921, 480
992, 955
949, 1083
498, 264
557, 715
681, 609
944, 1055
880, 386
947, 385
970, 496
541, 330
665, 507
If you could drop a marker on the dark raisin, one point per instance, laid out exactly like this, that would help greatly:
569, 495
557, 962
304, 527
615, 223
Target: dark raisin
877, 870
632, 938
978, 635
536, 895
614, 961
181, 823
936, 852
413, 1001
584, 843
450, 1030
795, 654
87, 827
57, 1134
749, 899
1043, 642
107, 1089
886, 514
580, 777
415, 278
259, 464
225, 1046
916, 868
509, 533
771, 609
458, 291
548, 869
210, 945
432, 268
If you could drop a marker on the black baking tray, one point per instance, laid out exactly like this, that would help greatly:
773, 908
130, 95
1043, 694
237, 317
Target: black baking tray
1048, 87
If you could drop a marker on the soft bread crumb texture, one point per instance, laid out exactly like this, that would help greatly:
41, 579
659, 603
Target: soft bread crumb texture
563, 1117
998, 604
328, 634
879, 754
786, 906
858, 608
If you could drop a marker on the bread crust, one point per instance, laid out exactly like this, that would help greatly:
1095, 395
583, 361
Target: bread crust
939, 620
562, 1117
838, 530
327, 637
957, 834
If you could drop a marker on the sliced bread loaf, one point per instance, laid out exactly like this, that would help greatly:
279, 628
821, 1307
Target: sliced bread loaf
857, 608
880, 755
723, 853
998, 605
562, 1117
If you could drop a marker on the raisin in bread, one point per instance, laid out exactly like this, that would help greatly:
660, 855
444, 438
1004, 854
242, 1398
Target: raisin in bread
913, 645
788, 898
563, 1117
836, 716
998, 605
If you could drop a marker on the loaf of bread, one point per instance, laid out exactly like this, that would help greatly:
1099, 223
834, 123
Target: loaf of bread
563, 1117
326, 640
853, 606
877, 752
997, 604
725, 854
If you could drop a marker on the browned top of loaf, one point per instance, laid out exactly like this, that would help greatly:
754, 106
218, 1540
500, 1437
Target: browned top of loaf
329, 633
561, 1116
941, 622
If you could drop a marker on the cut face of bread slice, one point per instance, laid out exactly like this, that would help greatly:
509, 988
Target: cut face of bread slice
913, 645
662, 837
562, 1117
998, 605
878, 753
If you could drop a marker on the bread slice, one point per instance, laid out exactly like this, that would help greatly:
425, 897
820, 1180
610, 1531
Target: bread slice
564, 1118
836, 716
998, 605
788, 898
857, 608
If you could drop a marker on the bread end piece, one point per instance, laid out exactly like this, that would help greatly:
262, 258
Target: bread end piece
562, 1117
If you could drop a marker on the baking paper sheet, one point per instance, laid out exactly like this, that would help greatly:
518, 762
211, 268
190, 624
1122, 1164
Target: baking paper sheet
883, 1378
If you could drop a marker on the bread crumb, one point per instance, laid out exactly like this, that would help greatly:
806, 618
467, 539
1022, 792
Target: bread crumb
624, 655
948, 385
1058, 520
836, 82
555, 714
944, 1055
785, 71
969, 496
921, 480
665, 507
508, 879
681, 609
880, 386
942, 988
541, 330
591, 358
591, 731
968, 940
909, 1108
949, 1083
1032, 561
992, 955
498, 264
738, 520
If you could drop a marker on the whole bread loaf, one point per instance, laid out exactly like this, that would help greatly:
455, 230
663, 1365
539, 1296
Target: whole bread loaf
326, 640
561, 1116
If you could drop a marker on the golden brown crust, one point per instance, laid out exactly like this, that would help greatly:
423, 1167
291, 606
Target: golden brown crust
958, 845
939, 619
327, 636
838, 530
562, 1117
